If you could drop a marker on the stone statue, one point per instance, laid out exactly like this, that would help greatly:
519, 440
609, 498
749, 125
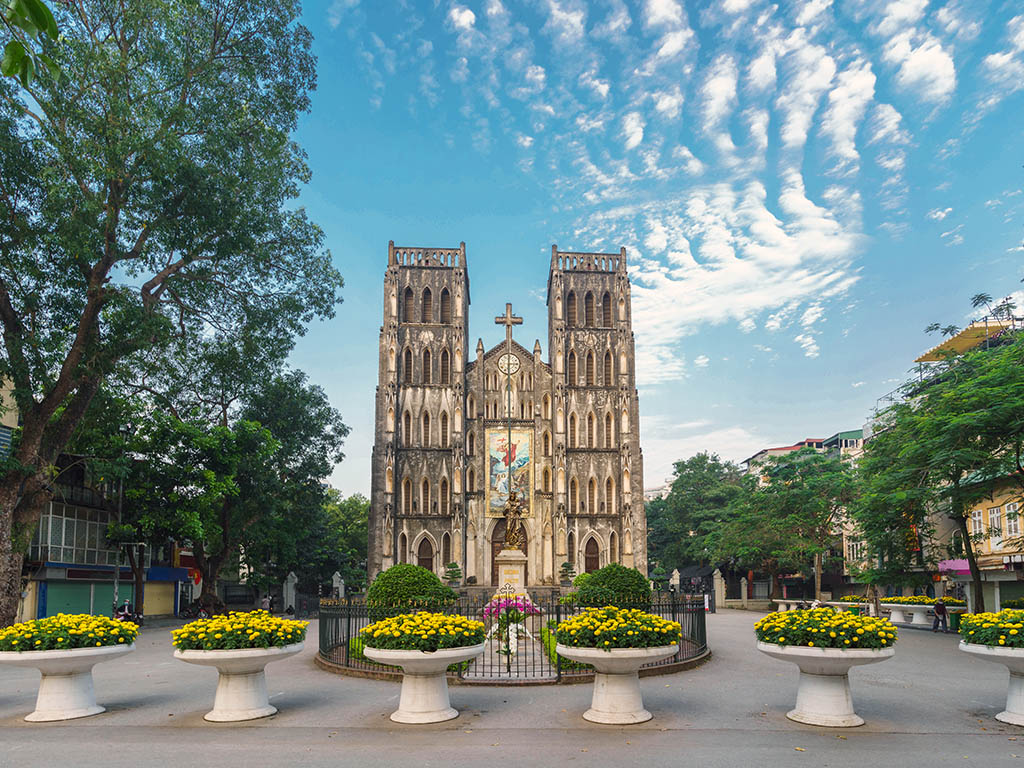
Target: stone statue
515, 536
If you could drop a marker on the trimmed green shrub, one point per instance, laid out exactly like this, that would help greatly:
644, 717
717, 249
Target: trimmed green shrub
405, 587
615, 585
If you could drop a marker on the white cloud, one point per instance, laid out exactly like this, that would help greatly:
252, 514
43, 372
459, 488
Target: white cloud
337, 10
747, 325
633, 129
938, 214
669, 103
924, 65
663, 446
808, 343
811, 315
524, 141
461, 17
847, 103
566, 20
900, 14
662, 12
701, 361
761, 72
886, 125
812, 73
719, 91
857, 384
953, 236
691, 164
589, 79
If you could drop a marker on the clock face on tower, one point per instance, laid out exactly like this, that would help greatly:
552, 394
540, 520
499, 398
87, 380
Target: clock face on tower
508, 364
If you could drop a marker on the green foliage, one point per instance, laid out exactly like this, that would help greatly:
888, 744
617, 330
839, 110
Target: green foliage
26, 21
1005, 628
698, 502
404, 586
566, 572
627, 586
549, 641
824, 628
1015, 602
453, 573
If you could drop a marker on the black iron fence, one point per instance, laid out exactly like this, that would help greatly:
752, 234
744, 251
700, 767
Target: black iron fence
516, 653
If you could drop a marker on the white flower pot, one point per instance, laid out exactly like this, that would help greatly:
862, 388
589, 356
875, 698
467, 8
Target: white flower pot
918, 614
617, 699
65, 688
823, 694
424, 697
1012, 659
242, 682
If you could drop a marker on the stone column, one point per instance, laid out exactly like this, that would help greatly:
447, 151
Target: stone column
338, 585
289, 590
673, 580
743, 591
719, 585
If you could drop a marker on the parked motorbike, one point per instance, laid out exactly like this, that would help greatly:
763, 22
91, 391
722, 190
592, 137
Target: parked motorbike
194, 610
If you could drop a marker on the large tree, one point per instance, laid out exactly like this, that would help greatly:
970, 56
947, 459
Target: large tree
955, 437
145, 197
701, 491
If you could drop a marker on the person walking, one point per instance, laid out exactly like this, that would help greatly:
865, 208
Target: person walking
265, 603
941, 614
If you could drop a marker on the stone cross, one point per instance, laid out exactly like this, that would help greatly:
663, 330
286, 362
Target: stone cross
508, 320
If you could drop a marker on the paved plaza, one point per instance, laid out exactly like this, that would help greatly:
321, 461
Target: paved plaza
931, 705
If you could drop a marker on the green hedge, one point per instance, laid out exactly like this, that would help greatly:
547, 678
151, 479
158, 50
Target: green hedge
612, 585
547, 638
405, 587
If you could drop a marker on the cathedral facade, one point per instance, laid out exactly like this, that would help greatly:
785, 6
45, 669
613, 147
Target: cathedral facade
443, 462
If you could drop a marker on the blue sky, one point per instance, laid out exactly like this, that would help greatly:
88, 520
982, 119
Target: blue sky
802, 187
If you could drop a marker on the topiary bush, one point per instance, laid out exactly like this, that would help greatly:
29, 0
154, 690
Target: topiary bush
612, 585
405, 587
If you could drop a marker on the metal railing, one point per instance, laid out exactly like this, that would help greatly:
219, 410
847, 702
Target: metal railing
523, 654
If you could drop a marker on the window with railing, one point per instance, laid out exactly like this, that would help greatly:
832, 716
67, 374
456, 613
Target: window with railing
855, 549
976, 523
1012, 519
72, 534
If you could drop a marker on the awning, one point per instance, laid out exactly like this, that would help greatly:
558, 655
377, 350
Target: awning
958, 567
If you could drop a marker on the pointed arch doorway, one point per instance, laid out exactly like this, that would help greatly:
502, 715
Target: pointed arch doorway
498, 544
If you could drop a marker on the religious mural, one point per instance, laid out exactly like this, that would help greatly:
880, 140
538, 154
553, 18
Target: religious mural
497, 463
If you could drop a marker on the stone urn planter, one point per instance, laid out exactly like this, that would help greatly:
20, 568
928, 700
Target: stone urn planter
65, 688
242, 682
617, 699
424, 697
823, 693
1012, 659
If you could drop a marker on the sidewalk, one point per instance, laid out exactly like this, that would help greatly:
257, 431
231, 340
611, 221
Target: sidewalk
931, 705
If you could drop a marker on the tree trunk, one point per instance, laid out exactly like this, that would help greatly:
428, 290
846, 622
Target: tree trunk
818, 558
972, 562
21, 503
136, 561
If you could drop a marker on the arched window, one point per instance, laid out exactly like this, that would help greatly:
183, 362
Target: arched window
572, 430
571, 546
608, 431
471, 481
444, 430
590, 431
590, 369
425, 496
622, 309
407, 366
546, 407
403, 548
471, 444
570, 309
426, 366
570, 371
446, 306
588, 309
608, 374
446, 367
427, 315
471, 407
613, 548
573, 497
591, 556
389, 481
390, 422
407, 429
407, 307
425, 434
609, 496
606, 310
407, 496
444, 496
592, 496
547, 480
547, 444
425, 554
446, 548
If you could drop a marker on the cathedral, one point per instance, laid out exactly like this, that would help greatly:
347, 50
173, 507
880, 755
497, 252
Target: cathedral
455, 433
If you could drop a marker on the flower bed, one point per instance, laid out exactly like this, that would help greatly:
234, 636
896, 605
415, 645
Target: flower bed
921, 600
824, 628
423, 632
64, 631
1005, 628
852, 599
239, 630
513, 609
612, 627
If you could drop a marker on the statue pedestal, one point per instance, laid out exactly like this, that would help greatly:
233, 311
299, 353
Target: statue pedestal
511, 570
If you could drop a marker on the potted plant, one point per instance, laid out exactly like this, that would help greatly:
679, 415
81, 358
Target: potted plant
617, 642
239, 645
566, 573
423, 645
65, 648
453, 574
508, 616
999, 637
825, 645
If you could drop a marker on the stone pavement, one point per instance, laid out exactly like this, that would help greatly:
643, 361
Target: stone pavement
929, 706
